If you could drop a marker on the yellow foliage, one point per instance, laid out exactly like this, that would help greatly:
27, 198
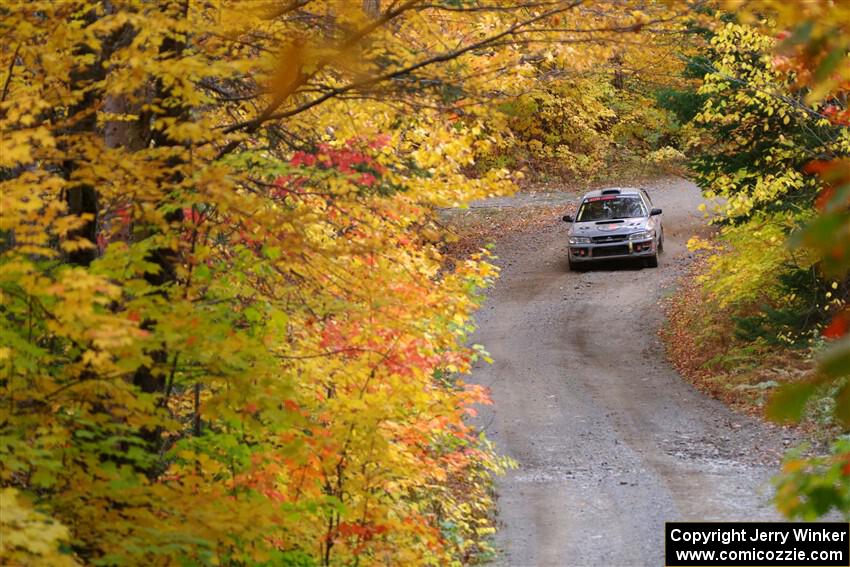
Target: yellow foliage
229, 332
30, 537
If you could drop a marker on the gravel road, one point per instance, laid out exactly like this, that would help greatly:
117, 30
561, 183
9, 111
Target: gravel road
611, 441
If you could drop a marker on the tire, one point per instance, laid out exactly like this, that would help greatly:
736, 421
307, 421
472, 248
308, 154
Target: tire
652, 261
575, 267
661, 242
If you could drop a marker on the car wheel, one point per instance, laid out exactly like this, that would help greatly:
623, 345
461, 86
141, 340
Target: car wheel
575, 267
661, 242
652, 262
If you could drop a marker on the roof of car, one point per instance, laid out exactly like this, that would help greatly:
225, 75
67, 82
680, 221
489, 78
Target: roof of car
610, 191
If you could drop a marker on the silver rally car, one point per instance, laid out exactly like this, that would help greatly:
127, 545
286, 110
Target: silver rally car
615, 224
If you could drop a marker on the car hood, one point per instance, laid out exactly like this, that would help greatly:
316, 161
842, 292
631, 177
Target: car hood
612, 227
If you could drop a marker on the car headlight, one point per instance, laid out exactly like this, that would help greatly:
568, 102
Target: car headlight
643, 235
579, 240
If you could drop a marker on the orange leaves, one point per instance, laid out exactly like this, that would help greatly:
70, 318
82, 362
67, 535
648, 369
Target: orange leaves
476, 394
267, 340
360, 531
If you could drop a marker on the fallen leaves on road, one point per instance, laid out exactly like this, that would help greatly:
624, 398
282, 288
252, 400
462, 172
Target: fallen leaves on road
700, 344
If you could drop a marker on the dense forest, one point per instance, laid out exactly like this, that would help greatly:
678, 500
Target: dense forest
231, 331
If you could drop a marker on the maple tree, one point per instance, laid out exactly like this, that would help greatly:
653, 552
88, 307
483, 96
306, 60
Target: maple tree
228, 333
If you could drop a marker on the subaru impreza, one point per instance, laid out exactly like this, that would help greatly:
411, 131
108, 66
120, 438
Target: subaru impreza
612, 224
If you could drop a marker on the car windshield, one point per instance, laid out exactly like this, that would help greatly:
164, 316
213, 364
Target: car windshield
611, 207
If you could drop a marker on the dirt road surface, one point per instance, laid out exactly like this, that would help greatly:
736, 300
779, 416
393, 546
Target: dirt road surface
611, 441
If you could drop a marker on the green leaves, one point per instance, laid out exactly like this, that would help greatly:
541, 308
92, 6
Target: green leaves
811, 487
789, 401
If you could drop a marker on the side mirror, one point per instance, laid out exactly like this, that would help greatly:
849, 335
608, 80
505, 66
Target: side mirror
567, 218
655, 212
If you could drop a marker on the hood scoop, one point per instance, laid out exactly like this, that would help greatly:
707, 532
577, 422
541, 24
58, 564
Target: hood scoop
612, 221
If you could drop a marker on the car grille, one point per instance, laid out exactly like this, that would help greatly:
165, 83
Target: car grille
609, 238
621, 250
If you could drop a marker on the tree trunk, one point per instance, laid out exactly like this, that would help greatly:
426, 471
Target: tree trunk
372, 8
165, 258
82, 199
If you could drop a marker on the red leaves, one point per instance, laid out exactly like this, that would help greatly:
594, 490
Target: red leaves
354, 159
303, 159
335, 338
405, 359
193, 216
817, 166
124, 214
824, 197
362, 531
833, 174
366, 180
837, 328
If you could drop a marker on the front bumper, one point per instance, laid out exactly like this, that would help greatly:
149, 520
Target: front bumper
612, 251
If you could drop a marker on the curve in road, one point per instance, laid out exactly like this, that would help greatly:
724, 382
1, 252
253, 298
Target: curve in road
611, 441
